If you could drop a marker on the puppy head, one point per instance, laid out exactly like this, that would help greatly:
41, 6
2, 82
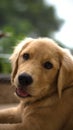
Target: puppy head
40, 68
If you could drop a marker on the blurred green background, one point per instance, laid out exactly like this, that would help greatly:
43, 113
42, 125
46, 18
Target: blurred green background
24, 18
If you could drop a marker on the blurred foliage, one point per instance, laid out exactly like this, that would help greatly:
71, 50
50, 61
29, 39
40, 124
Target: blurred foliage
4, 66
27, 17
21, 18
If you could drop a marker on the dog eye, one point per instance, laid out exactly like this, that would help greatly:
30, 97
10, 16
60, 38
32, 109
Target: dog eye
26, 56
48, 65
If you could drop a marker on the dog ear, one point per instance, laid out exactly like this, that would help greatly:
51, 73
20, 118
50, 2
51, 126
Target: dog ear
14, 62
65, 78
14, 57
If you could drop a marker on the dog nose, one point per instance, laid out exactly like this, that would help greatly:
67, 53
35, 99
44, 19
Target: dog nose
25, 79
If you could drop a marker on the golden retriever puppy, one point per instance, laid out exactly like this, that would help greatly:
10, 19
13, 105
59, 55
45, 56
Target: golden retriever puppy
42, 73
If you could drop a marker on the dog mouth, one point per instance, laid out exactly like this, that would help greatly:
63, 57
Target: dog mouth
22, 93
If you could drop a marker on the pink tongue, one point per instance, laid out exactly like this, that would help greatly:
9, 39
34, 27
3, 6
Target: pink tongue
21, 92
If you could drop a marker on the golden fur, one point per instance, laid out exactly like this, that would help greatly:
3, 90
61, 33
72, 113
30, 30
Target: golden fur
50, 106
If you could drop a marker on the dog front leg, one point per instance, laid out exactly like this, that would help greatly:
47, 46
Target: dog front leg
17, 126
10, 115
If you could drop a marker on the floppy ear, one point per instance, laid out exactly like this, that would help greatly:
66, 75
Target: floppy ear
14, 62
65, 78
15, 55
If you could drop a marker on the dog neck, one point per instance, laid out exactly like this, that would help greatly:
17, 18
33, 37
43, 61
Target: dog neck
46, 101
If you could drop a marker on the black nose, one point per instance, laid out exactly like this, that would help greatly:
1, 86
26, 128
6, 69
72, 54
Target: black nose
25, 79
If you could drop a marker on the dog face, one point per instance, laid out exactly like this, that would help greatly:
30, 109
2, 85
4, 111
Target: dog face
40, 68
